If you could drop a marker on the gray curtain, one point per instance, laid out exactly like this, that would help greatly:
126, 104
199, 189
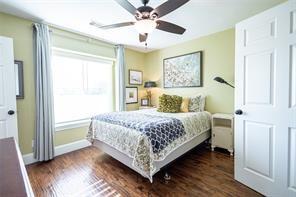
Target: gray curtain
120, 76
44, 125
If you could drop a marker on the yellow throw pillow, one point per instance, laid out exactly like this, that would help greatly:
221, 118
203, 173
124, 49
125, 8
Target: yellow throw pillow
185, 105
169, 103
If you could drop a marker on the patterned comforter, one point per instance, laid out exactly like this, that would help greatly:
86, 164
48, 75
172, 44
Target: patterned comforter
147, 135
160, 130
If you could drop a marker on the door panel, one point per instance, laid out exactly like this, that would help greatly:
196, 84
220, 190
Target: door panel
258, 151
260, 32
2, 88
292, 159
293, 21
259, 78
293, 76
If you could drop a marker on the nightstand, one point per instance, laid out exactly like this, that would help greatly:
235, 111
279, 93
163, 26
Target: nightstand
146, 107
222, 131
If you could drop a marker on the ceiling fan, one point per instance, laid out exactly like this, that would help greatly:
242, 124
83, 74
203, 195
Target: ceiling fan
147, 18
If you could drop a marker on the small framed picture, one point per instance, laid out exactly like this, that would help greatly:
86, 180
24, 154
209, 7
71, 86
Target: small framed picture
131, 95
145, 102
19, 79
135, 77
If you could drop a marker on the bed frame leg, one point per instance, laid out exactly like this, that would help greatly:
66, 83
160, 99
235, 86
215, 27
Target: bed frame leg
167, 177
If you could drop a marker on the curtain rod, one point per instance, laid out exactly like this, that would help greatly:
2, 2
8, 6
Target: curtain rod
83, 54
87, 38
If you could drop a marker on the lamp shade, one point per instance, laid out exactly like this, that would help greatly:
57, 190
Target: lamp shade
149, 84
221, 80
145, 26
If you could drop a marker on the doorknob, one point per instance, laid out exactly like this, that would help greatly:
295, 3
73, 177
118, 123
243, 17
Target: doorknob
238, 112
10, 112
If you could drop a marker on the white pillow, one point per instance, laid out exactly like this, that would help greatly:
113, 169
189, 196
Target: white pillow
197, 103
203, 103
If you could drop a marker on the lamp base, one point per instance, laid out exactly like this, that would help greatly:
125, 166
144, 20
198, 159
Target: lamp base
149, 95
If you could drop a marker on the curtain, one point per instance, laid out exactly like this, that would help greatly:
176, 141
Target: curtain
120, 77
44, 125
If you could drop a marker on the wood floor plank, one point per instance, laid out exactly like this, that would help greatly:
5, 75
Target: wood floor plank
89, 172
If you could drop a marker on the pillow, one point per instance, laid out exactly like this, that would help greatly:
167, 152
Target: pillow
197, 104
203, 103
170, 104
185, 105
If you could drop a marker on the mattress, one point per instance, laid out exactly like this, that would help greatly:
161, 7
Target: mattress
137, 145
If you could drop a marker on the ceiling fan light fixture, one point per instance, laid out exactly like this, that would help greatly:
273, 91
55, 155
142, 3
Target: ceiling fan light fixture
145, 26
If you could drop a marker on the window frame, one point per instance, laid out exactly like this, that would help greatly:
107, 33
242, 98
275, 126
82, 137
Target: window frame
85, 56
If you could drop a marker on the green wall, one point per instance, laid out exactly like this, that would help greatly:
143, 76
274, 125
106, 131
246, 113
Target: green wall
134, 60
218, 60
21, 31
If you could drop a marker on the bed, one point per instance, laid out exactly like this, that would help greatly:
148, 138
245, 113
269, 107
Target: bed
147, 140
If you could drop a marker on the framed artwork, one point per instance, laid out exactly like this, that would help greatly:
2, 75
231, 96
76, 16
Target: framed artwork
183, 71
19, 79
145, 102
135, 77
131, 95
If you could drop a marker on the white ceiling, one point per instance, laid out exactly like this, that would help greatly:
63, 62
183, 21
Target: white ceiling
199, 17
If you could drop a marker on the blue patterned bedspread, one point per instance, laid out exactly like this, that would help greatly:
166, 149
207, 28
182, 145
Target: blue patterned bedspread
161, 131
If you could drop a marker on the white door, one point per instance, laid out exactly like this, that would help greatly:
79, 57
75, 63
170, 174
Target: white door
265, 78
8, 118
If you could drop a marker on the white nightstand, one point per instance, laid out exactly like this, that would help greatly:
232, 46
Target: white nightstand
222, 131
146, 107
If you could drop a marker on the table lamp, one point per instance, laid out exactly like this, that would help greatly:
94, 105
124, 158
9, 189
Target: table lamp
148, 85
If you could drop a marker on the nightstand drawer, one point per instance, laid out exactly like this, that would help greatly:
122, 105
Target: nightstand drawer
222, 137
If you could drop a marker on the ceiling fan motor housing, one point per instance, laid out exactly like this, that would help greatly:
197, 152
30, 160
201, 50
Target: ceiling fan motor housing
145, 12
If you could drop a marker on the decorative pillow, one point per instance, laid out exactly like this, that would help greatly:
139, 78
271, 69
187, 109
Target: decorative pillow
170, 104
203, 103
185, 105
195, 104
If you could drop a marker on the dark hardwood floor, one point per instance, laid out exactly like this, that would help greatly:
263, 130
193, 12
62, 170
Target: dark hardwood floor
89, 172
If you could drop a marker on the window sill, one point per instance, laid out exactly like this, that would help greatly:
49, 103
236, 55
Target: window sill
71, 125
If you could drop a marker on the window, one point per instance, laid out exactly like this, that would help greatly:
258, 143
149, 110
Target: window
82, 87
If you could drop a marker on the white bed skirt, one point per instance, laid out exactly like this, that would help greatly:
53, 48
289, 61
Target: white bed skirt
126, 160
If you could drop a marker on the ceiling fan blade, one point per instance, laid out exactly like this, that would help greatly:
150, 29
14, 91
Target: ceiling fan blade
112, 26
143, 37
168, 7
169, 27
128, 6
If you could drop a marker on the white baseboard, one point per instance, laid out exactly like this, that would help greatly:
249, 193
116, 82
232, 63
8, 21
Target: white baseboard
59, 150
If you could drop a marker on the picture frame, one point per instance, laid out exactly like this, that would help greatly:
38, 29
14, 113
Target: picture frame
135, 77
183, 71
19, 79
144, 102
131, 95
